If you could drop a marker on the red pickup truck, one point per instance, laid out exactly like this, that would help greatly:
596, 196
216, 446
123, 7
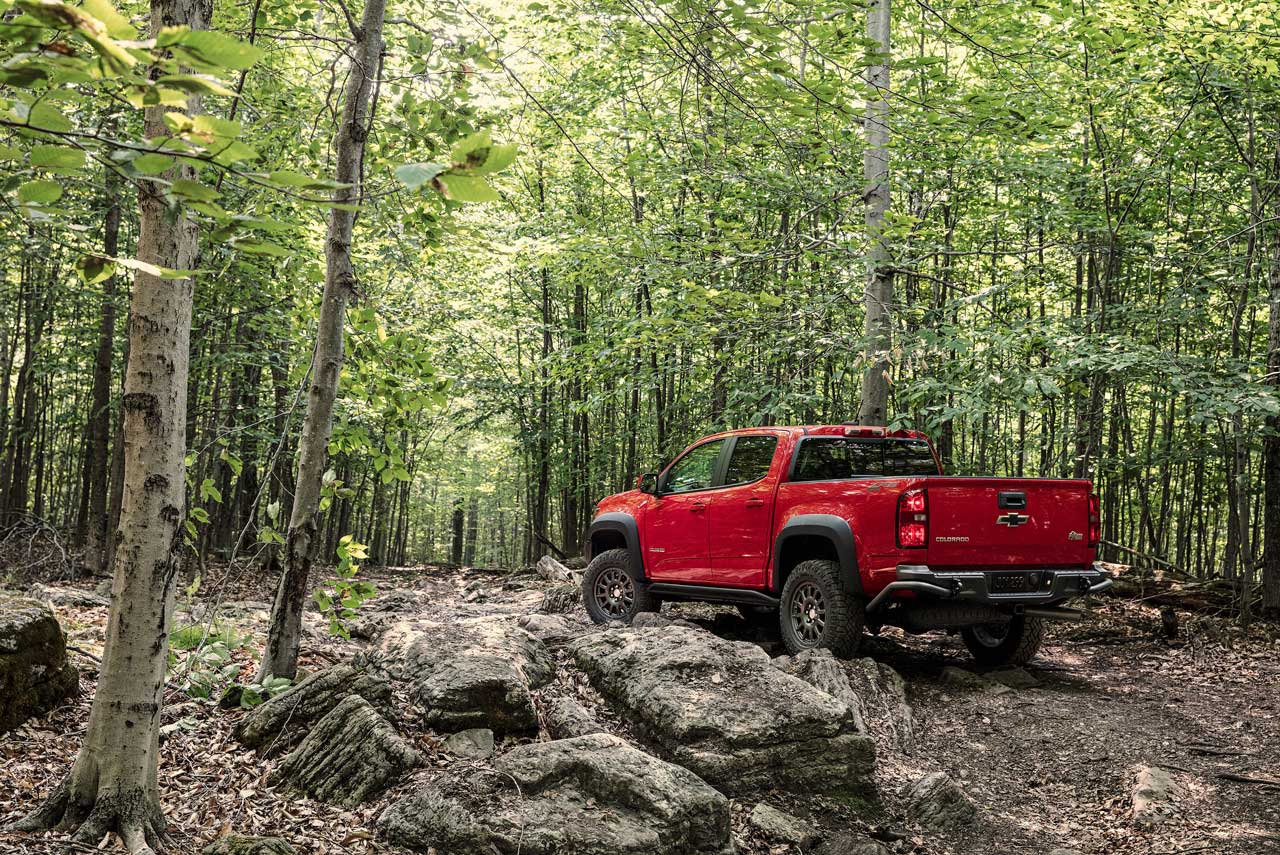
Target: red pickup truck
835, 528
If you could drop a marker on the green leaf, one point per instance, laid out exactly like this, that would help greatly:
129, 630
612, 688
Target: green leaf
261, 247
118, 26
475, 142
214, 50
415, 175
151, 164
305, 182
196, 84
40, 192
48, 118
467, 188
57, 157
500, 157
95, 268
193, 190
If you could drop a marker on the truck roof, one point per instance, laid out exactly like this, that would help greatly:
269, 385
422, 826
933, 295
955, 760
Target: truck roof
845, 429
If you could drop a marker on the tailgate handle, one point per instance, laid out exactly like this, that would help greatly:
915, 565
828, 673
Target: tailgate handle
1012, 500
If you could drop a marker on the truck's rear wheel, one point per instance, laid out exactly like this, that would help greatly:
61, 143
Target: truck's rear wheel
817, 612
612, 589
1012, 643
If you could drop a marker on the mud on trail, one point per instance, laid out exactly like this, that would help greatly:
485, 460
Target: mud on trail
1047, 756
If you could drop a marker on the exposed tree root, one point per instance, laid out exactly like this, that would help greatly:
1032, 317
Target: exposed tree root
136, 819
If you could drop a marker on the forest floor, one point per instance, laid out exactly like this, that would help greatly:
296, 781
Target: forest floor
1049, 765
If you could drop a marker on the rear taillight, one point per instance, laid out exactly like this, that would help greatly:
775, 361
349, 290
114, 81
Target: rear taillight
1095, 520
913, 520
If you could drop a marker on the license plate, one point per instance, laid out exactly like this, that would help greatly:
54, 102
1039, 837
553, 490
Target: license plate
1008, 583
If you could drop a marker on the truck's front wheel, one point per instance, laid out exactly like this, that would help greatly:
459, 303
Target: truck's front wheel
1012, 643
613, 590
817, 612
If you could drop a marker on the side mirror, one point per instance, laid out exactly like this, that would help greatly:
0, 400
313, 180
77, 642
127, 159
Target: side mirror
648, 483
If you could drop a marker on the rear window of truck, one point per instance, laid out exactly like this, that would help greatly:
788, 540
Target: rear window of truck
834, 458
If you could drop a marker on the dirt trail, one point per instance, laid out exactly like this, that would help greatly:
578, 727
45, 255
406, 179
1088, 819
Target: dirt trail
1049, 765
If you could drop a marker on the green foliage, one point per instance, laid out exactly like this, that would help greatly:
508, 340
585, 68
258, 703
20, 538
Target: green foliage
340, 599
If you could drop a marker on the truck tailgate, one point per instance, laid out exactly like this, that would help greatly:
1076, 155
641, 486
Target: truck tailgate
985, 522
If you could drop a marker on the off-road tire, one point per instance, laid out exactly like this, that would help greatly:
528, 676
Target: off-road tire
612, 589
1018, 646
842, 615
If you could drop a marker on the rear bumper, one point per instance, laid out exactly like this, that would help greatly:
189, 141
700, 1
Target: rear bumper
1034, 587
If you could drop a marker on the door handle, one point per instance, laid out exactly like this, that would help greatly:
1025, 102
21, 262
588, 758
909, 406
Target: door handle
698, 507
754, 503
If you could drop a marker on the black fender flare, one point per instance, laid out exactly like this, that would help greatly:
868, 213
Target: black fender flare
831, 527
625, 524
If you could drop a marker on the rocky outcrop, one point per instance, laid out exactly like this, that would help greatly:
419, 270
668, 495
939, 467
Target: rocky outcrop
547, 628
566, 718
35, 675
960, 678
350, 755
235, 844
821, 670
593, 795
937, 803
475, 744
779, 827
721, 709
561, 598
1155, 795
68, 597
281, 722
475, 672
882, 693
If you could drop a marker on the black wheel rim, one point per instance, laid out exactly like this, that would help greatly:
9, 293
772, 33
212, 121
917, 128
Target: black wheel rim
615, 593
991, 634
808, 614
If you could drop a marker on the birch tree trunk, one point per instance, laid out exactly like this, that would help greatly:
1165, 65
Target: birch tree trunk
878, 297
112, 785
280, 659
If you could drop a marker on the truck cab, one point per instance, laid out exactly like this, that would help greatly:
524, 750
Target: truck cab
829, 529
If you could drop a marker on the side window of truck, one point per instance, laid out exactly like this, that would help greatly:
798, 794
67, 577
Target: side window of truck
695, 470
751, 458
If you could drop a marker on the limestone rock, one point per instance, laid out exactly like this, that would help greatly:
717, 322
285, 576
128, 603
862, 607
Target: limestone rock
561, 598
721, 709
593, 795
350, 755
474, 744
780, 827
1014, 678
820, 669
35, 675
281, 722
235, 844
547, 628
1155, 795
847, 844
1064, 852
475, 672
566, 718
885, 708
937, 803
963, 679
555, 572
66, 596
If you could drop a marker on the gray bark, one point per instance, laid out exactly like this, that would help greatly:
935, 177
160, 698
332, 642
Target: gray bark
280, 659
878, 297
112, 785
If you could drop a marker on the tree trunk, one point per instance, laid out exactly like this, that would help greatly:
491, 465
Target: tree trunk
112, 785
96, 479
280, 659
878, 299
458, 527
1271, 449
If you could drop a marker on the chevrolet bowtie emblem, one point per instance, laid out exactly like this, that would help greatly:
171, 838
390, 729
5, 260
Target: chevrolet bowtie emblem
1012, 519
